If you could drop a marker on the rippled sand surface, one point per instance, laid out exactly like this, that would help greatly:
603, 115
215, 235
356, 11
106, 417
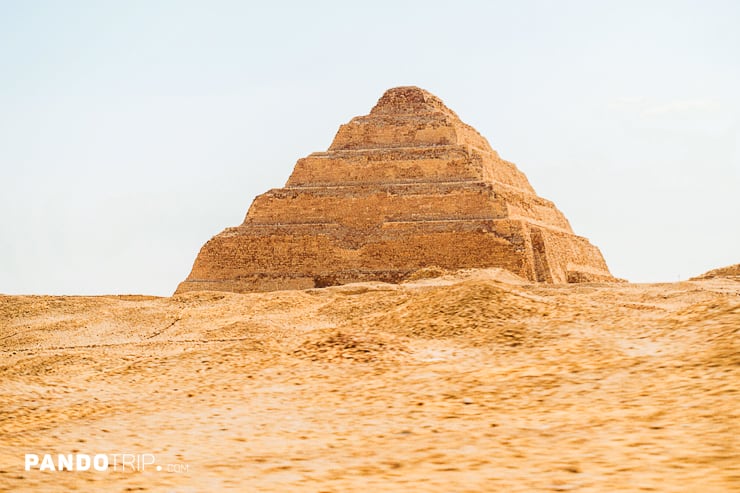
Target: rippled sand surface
470, 382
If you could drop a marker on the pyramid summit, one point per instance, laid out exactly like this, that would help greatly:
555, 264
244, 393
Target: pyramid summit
409, 100
405, 187
407, 116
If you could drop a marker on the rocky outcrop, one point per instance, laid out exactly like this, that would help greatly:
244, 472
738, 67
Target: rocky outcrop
729, 272
406, 187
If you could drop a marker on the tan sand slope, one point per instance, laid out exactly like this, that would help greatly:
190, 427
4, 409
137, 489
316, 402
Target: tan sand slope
472, 382
730, 272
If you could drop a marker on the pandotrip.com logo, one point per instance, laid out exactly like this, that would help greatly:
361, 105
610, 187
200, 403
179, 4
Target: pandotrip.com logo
99, 463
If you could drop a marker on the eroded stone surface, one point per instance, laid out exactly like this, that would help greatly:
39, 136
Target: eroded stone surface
406, 187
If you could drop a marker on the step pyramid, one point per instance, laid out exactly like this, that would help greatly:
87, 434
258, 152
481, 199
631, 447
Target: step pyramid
406, 187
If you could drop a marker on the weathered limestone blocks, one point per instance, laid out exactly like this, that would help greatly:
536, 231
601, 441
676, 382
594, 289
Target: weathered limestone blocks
406, 187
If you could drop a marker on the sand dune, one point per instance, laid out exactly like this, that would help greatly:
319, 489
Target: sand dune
475, 381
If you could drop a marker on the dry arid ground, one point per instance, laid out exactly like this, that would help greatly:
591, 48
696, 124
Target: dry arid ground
470, 382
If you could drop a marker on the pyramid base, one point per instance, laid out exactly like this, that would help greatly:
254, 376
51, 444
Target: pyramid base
277, 257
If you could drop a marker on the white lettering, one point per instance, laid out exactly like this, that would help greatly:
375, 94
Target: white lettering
100, 462
83, 462
65, 462
47, 463
88, 462
31, 460
145, 462
130, 461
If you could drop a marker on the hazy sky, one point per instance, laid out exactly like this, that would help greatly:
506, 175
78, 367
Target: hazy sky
133, 131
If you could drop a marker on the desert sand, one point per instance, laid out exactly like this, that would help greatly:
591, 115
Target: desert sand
474, 381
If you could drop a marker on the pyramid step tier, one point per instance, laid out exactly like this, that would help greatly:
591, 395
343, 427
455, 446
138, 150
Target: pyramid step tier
406, 164
362, 206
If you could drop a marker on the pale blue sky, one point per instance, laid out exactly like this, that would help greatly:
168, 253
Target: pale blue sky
133, 131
